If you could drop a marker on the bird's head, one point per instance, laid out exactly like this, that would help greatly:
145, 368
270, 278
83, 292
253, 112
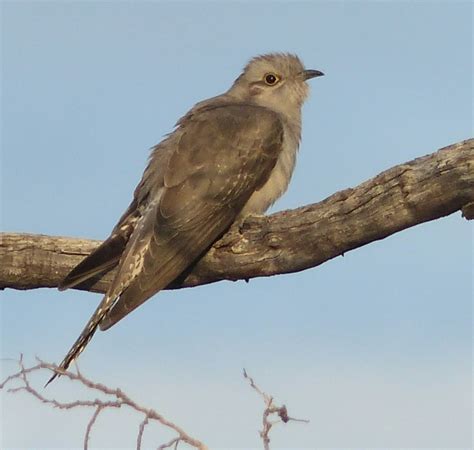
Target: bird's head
277, 81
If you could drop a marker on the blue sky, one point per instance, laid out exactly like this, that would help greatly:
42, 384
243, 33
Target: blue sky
374, 348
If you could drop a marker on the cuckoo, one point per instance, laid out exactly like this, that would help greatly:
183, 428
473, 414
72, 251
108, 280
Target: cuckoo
229, 156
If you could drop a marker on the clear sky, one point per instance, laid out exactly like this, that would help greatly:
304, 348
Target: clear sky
374, 348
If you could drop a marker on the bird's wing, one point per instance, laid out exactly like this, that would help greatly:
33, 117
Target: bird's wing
195, 185
220, 157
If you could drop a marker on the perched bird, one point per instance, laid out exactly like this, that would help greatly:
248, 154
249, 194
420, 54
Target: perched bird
229, 156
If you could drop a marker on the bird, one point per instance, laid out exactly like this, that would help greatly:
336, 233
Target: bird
228, 157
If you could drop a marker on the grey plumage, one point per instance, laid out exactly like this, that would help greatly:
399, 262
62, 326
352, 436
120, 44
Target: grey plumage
229, 156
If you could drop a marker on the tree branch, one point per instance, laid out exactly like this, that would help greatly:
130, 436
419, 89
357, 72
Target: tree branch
114, 398
406, 195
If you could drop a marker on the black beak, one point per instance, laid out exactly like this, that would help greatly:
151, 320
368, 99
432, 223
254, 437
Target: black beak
308, 74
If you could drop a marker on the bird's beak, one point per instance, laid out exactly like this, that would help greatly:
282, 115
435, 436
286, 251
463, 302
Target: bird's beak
310, 73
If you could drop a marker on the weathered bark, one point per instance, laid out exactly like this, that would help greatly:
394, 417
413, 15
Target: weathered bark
424, 189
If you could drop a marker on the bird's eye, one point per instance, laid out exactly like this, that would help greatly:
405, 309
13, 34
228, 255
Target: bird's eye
271, 79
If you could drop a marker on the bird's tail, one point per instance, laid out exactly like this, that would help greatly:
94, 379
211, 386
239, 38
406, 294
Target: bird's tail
85, 337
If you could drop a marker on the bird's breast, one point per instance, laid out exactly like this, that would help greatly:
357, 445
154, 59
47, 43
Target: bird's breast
279, 178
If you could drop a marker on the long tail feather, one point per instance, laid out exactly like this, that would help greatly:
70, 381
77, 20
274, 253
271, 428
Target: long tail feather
85, 337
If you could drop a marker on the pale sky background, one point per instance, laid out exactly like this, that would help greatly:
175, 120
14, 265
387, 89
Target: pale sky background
374, 348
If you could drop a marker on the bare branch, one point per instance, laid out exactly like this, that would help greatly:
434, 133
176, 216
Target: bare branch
141, 429
424, 189
174, 442
119, 399
90, 425
270, 408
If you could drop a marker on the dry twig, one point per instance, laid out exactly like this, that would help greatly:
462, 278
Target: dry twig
119, 399
270, 408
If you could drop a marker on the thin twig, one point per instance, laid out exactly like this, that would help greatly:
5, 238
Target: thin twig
169, 444
141, 429
119, 399
270, 408
90, 425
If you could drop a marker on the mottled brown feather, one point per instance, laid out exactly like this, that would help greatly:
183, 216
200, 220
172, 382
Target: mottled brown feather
221, 157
